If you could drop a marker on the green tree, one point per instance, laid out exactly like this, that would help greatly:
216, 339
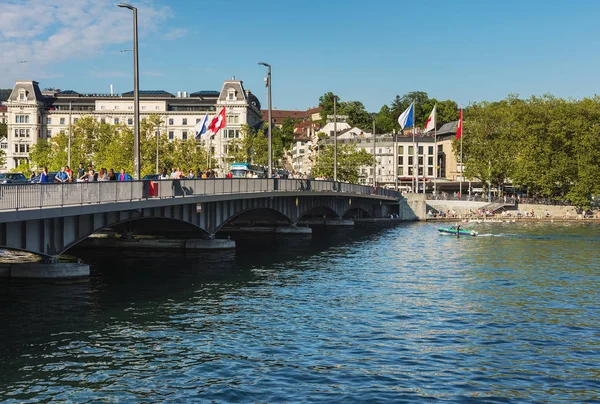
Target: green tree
349, 162
326, 102
422, 109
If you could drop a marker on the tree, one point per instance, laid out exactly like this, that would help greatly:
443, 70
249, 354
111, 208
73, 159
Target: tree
384, 121
357, 115
326, 102
422, 109
349, 161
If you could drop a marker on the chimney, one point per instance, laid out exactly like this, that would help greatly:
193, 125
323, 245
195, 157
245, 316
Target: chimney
178, 94
111, 90
185, 94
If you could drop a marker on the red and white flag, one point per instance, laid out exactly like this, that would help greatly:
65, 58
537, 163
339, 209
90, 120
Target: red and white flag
459, 127
430, 124
218, 122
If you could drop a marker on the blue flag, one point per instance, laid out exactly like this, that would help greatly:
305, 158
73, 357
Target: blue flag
200, 127
407, 118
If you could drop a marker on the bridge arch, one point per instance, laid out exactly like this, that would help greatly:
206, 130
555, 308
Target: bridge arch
251, 210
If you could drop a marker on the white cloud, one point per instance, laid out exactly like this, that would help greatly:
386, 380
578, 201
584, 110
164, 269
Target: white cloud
66, 30
175, 33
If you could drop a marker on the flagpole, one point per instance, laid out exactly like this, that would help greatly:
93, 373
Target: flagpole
415, 152
334, 139
435, 157
461, 156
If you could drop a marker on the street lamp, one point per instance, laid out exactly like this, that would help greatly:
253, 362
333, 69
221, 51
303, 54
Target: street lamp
136, 95
268, 80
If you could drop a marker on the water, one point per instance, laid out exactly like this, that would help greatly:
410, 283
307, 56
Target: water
386, 315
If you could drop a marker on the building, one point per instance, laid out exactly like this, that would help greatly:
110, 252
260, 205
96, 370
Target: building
33, 114
3, 114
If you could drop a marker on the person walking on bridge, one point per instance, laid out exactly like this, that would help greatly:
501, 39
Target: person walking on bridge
124, 176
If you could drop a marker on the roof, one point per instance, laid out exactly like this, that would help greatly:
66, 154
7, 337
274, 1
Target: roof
69, 92
204, 93
150, 93
447, 128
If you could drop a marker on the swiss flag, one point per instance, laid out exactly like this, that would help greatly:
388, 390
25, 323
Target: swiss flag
459, 127
218, 122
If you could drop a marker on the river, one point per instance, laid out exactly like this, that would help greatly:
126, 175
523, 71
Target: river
397, 314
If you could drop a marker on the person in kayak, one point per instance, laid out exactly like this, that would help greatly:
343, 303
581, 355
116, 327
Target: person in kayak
457, 231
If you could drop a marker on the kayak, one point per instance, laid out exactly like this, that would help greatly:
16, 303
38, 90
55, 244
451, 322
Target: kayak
453, 231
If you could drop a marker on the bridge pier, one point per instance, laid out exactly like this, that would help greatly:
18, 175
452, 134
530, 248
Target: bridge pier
45, 271
211, 243
293, 230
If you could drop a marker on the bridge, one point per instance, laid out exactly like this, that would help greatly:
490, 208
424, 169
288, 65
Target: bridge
48, 219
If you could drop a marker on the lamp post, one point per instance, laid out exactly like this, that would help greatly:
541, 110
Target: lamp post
136, 95
69, 145
270, 123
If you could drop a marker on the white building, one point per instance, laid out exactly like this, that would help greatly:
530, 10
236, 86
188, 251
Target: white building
32, 114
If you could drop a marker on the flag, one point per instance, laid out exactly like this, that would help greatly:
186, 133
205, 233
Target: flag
459, 127
200, 127
407, 118
430, 124
218, 122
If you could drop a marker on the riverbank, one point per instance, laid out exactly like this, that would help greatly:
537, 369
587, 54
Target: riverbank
504, 219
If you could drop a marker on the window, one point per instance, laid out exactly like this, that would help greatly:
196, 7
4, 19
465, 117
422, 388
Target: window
22, 95
102, 120
16, 132
400, 149
420, 160
410, 170
198, 120
301, 143
400, 170
420, 170
430, 160
129, 121
170, 121
62, 121
75, 120
171, 135
233, 119
430, 149
49, 133
237, 133
16, 148
26, 132
430, 171
420, 150
184, 135
3, 145
116, 121
410, 160
379, 151
49, 121
411, 150
400, 160
21, 148
21, 132
22, 118
184, 121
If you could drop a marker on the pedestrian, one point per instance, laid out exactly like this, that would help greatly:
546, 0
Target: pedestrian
190, 175
80, 171
124, 176
69, 174
61, 176
44, 176
163, 175
111, 175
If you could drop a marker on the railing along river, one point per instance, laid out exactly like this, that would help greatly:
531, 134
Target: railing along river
28, 196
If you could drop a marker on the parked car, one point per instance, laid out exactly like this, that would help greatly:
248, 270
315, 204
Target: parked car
13, 178
51, 176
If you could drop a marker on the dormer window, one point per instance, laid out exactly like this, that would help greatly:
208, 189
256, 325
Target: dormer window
231, 95
22, 95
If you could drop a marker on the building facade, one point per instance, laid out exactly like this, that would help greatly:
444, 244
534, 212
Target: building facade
33, 114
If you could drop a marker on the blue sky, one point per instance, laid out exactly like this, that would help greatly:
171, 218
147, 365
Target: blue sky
468, 51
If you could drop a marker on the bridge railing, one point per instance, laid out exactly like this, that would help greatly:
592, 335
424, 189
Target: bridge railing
29, 196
